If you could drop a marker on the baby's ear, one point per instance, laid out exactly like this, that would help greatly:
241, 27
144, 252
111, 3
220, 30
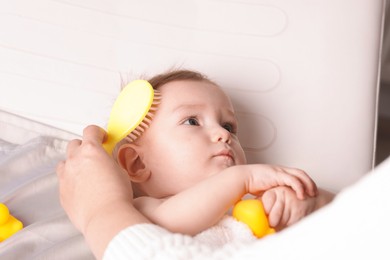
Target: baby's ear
129, 159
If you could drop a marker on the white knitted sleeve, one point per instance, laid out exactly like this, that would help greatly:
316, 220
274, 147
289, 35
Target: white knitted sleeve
147, 241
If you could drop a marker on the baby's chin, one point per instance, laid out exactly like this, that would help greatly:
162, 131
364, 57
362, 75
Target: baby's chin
223, 162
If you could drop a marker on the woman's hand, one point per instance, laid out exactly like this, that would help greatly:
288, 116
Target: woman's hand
89, 180
95, 192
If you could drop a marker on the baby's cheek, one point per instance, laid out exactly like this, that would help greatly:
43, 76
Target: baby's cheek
240, 156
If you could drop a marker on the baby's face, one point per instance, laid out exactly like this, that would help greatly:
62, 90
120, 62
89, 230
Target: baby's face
192, 136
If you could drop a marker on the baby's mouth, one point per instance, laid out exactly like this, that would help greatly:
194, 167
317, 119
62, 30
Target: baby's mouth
225, 154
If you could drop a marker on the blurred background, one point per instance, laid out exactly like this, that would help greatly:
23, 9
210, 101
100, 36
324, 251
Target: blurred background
383, 138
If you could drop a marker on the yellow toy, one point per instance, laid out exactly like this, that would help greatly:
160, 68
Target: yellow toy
251, 212
9, 225
131, 113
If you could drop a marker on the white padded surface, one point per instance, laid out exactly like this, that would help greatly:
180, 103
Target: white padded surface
19, 130
303, 74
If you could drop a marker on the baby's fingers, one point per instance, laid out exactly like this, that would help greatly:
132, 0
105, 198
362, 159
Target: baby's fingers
310, 186
273, 207
295, 183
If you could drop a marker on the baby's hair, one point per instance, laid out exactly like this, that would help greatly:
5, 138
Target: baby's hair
176, 75
171, 75
161, 79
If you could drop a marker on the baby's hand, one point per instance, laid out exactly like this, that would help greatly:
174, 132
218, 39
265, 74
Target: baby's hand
284, 208
264, 177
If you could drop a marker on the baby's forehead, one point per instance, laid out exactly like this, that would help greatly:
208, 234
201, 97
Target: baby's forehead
193, 93
188, 82
180, 87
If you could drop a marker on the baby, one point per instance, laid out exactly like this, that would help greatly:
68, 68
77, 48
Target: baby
188, 168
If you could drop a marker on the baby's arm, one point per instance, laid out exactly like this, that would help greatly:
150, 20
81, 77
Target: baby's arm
201, 206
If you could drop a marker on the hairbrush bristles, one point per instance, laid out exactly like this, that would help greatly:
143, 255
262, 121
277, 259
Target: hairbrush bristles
137, 132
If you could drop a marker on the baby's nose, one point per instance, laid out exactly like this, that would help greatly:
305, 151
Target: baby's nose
220, 134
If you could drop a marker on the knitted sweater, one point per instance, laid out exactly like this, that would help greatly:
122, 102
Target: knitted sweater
227, 232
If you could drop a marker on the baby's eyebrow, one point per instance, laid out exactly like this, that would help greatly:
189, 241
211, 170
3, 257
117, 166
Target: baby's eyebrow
197, 107
188, 107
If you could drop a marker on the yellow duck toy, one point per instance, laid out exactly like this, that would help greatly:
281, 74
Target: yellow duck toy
9, 225
252, 213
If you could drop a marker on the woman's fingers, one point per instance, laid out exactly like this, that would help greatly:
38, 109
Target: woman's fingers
72, 146
94, 134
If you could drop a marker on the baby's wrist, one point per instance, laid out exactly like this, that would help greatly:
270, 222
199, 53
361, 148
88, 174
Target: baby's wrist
242, 178
323, 198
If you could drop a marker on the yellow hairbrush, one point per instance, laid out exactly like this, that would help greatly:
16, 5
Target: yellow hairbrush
131, 113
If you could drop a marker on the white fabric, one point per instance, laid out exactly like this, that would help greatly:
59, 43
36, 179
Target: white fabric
18, 130
354, 226
227, 230
29, 187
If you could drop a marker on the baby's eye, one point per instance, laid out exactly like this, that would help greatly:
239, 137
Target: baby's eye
229, 127
191, 121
